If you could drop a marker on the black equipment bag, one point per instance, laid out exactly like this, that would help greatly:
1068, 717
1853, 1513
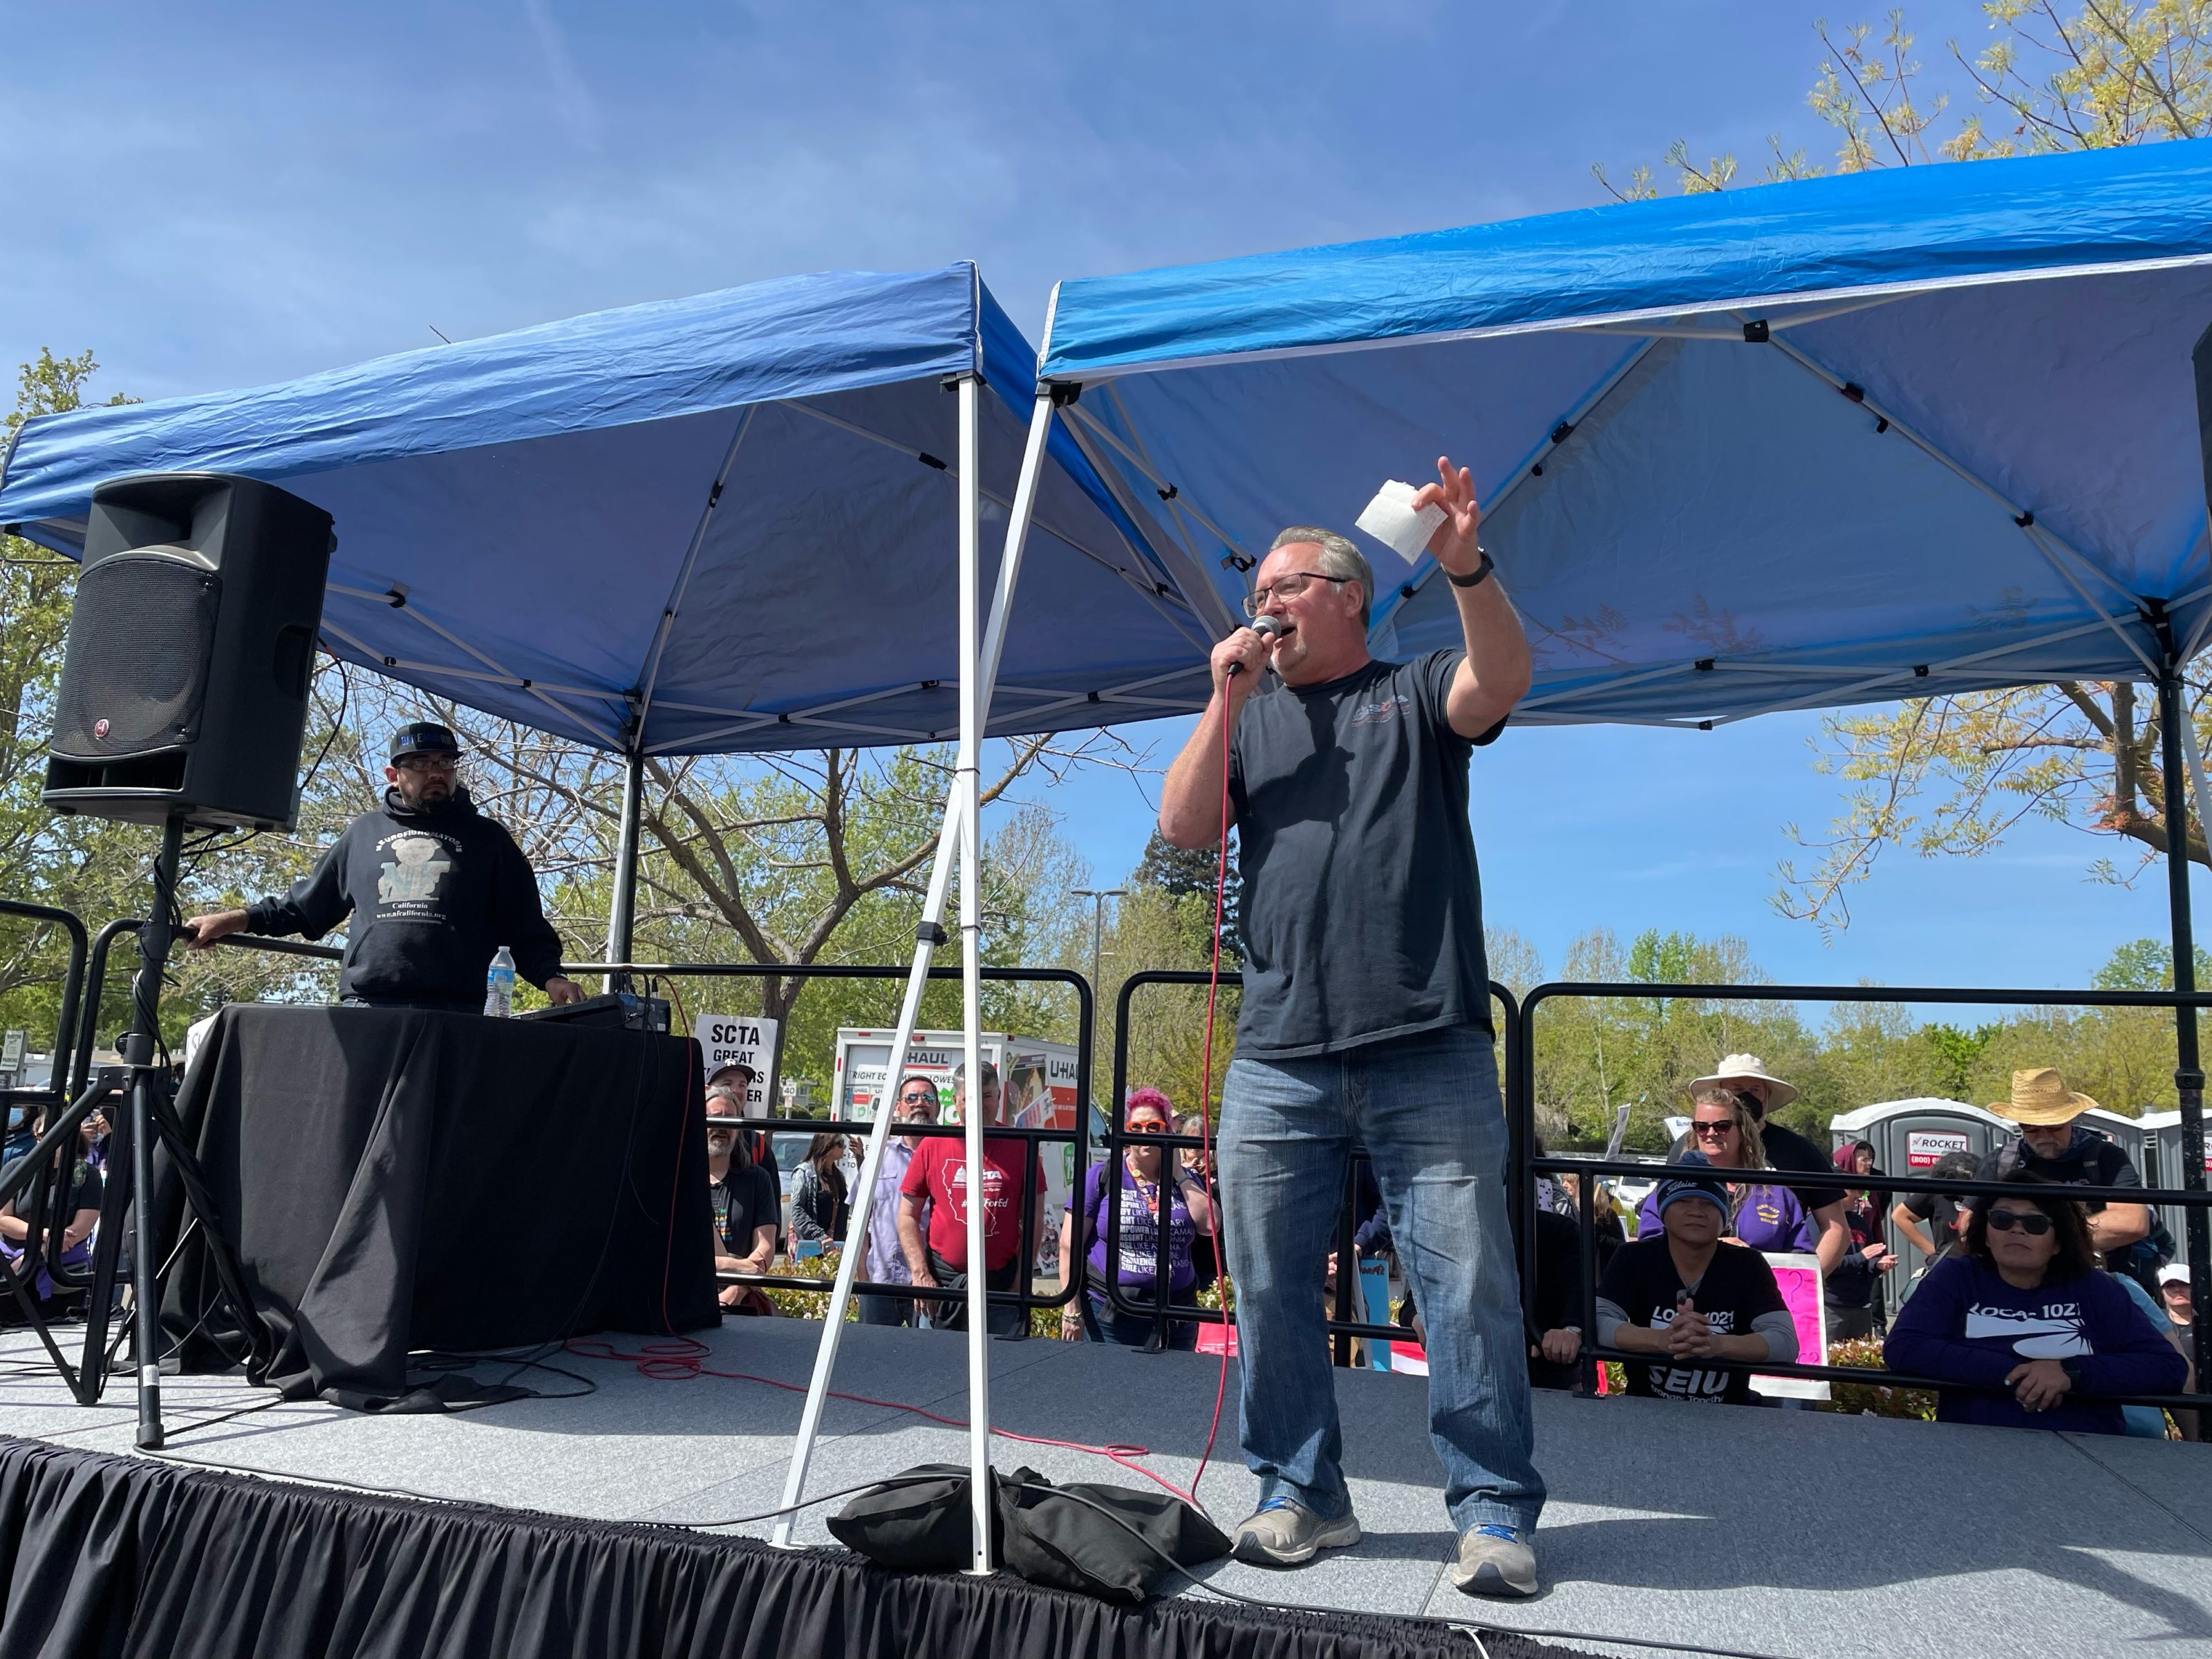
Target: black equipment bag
1103, 1541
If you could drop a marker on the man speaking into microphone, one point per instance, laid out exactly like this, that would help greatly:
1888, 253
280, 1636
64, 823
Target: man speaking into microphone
1366, 1021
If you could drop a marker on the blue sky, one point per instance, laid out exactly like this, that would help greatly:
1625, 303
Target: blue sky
221, 195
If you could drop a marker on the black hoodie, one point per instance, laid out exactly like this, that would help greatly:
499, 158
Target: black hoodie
433, 894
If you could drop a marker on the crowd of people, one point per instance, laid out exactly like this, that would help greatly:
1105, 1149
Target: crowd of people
2030, 1310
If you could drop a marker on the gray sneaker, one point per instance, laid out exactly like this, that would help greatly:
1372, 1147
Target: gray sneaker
1283, 1534
1493, 1561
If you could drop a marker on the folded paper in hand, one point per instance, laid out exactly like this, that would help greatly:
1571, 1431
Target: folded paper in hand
1393, 520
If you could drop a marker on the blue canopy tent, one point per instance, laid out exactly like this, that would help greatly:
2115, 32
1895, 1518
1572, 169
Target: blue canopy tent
1830, 441
1825, 442
704, 525
742, 521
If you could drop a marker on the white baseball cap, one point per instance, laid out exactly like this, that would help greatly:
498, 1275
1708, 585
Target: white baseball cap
2173, 1274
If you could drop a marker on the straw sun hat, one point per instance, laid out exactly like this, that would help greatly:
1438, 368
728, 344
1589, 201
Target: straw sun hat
1735, 1068
2040, 1097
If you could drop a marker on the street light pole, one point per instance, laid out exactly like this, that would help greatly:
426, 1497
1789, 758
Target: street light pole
1097, 895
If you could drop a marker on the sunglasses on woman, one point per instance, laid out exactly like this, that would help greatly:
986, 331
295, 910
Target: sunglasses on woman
1714, 1131
2033, 1223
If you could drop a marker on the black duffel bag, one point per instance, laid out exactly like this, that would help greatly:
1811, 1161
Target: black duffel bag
1103, 1541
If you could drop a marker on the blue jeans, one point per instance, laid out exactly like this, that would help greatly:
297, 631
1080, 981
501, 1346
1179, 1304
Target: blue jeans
1126, 1330
1427, 1110
885, 1309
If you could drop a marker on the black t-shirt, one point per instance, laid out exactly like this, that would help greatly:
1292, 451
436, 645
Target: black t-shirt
1738, 1287
1788, 1150
2091, 1161
1362, 912
1557, 1302
1940, 1213
744, 1200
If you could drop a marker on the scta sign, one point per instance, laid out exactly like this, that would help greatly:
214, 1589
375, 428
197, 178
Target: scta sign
740, 1040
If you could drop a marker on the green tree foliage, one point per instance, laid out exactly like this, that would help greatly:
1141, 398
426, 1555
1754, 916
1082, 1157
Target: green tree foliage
1181, 872
1593, 1055
1166, 923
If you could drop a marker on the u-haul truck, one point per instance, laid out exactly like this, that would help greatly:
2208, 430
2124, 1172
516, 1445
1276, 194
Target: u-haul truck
1036, 1085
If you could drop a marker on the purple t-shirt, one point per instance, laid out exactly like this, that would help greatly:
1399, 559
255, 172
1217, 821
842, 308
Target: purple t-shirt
1770, 1219
1139, 1236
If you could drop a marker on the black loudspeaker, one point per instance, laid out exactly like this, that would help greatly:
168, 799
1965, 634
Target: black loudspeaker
191, 647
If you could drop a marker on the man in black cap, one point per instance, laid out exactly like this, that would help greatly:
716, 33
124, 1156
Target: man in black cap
433, 887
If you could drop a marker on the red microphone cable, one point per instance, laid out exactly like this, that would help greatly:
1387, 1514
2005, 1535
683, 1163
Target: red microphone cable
1206, 1113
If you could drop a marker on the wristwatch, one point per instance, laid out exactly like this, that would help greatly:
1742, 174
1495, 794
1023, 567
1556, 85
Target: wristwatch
1480, 571
2072, 1367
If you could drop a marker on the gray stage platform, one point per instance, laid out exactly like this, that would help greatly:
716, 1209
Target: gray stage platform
1783, 1533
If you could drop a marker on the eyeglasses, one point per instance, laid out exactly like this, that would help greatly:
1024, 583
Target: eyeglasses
920, 1097
1714, 1131
1286, 588
2034, 1224
1148, 1127
427, 762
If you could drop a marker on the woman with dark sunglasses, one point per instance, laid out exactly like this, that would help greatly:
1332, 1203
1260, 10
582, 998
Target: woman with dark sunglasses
1151, 1180
1761, 1215
2025, 1319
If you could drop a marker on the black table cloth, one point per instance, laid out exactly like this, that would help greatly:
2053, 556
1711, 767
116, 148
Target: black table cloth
398, 1179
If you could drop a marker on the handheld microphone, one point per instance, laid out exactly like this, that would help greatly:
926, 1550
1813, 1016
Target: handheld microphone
1267, 628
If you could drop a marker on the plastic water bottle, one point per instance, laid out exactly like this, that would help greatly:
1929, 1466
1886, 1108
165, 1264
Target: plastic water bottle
498, 985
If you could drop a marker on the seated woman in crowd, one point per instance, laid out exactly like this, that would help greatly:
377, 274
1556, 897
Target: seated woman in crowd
79, 1198
819, 1203
746, 1202
2024, 1312
1850, 1291
1763, 1216
1135, 1184
1683, 1294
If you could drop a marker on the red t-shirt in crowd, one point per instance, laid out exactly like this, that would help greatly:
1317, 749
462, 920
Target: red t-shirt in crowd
939, 1170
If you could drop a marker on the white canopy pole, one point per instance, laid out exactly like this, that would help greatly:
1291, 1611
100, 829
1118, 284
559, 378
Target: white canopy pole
928, 935
969, 788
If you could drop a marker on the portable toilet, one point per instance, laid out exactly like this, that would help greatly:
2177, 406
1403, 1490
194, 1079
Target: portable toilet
2161, 1165
1908, 1137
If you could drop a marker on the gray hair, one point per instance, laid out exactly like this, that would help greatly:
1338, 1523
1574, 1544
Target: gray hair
1339, 558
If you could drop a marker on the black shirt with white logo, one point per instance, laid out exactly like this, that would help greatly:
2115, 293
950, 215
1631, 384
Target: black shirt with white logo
1362, 914
433, 894
1737, 1288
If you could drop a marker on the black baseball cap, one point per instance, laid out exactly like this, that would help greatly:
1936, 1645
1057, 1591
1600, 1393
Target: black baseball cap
424, 737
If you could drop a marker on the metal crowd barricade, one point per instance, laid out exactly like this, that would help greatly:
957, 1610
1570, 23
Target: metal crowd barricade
1034, 1140
1521, 1104
1344, 1324
40, 1211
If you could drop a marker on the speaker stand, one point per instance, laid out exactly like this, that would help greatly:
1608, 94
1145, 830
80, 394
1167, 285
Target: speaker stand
149, 1115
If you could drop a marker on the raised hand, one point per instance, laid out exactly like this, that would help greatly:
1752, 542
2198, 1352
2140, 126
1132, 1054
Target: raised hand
1453, 543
